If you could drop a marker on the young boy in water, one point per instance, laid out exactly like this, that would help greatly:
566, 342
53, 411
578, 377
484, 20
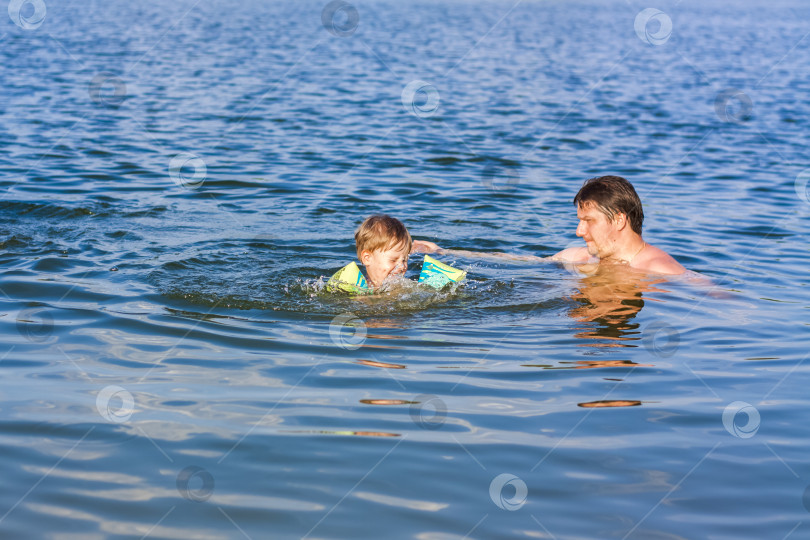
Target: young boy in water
383, 245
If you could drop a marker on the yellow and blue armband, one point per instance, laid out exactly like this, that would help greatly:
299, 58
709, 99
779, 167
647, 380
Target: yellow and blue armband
348, 279
437, 275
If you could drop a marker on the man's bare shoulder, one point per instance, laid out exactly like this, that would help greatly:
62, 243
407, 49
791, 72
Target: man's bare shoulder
572, 254
658, 261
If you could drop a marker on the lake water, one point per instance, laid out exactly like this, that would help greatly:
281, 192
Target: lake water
177, 180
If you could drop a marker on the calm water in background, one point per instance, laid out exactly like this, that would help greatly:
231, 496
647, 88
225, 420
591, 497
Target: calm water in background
170, 368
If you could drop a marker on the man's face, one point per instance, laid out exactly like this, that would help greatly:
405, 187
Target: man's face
597, 230
381, 264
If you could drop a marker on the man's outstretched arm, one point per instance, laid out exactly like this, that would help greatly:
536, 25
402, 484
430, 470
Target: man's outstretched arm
424, 246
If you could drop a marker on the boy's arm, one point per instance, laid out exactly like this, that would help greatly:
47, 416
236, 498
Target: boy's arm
424, 246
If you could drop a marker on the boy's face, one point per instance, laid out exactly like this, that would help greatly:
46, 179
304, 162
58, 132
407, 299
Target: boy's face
382, 263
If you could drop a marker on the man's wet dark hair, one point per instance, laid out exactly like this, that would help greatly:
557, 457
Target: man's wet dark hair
612, 195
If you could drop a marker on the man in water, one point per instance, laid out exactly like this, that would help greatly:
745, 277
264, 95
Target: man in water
610, 220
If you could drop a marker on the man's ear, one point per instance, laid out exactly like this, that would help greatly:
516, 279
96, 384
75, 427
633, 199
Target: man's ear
620, 220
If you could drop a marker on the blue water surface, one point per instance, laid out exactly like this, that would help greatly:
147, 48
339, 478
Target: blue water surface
178, 179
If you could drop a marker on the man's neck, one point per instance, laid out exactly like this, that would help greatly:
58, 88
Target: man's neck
629, 251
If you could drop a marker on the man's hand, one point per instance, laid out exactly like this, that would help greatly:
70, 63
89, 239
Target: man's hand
423, 246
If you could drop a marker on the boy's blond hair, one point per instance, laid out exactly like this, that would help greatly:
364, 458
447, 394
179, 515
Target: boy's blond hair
381, 232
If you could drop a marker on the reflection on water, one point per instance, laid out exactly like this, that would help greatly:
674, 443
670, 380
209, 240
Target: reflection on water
609, 403
347, 432
377, 363
611, 297
387, 402
592, 364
